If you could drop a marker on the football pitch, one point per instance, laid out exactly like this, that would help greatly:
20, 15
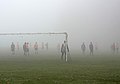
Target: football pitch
49, 69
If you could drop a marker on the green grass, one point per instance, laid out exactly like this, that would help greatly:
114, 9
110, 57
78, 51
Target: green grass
97, 69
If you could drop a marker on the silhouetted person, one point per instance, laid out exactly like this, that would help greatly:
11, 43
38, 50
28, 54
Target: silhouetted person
117, 47
27, 48
17, 46
13, 48
42, 45
30, 44
46, 46
83, 47
64, 49
24, 48
113, 48
36, 48
91, 48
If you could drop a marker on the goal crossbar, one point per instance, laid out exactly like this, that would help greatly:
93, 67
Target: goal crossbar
64, 33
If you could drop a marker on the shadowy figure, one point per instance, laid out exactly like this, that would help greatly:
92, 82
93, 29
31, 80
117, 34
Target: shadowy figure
24, 48
17, 45
64, 49
46, 46
36, 48
42, 45
13, 48
117, 48
83, 48
91, 48
27, 48
113, 48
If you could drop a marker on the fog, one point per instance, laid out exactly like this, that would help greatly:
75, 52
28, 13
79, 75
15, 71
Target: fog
83, 20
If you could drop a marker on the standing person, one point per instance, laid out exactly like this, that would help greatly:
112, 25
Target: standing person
46, 46
24, 48
13, 48
30, 44
64, 49
91, 48
42, 45
17, 45
83, 47
27, 48
117, 47
36, 48
113, 48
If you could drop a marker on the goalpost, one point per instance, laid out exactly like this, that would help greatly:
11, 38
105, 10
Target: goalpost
24, 34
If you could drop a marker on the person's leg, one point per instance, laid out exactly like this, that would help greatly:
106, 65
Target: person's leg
62, 55
83, 52
24, 52
65, 56
90, 52
28, 52
14, 52
35, 51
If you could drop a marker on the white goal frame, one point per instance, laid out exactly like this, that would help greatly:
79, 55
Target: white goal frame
62, 33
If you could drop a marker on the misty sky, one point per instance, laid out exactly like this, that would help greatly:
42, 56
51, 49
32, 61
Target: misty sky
84, 20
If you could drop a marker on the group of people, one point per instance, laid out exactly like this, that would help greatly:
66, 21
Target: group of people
25, 48
91, 48
114, 48
26, 45
64, 48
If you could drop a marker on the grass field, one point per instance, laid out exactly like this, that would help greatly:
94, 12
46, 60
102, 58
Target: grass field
97, 69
